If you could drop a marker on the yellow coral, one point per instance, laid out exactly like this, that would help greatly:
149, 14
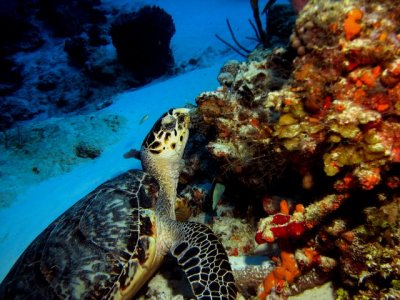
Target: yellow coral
340, 156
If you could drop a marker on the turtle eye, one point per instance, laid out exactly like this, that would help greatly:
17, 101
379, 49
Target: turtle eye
155, 145
168, 123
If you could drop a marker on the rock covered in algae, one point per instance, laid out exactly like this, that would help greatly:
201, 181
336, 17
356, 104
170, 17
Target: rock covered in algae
243, 140
335, 121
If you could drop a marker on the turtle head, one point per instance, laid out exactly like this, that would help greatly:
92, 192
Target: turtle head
163, 147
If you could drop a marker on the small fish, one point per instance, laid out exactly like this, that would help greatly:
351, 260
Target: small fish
217, 194
144, 119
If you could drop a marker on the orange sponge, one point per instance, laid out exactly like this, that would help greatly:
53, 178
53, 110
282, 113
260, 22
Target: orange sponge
351, 25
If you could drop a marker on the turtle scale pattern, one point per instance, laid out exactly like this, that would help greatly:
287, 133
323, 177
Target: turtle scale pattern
76, 245
204, 260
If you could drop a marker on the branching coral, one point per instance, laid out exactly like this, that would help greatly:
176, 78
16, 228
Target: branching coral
279, 23
334, 121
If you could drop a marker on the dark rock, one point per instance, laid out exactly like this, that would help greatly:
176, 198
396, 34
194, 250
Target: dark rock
10, 76
103, 68
104, 104
67, 18
193, 61
86, 150
77, 50
61, 102
48, 82
17, 33
105, 73
73, 100
97, 36
6, 121
142, 40
14, 109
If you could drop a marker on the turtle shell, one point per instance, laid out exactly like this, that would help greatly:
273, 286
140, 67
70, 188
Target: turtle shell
100, 248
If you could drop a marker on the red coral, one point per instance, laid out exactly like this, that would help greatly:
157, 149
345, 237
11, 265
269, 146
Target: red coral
280, 219
259, 238
296, 229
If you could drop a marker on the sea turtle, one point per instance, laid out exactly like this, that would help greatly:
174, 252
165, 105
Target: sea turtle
108, 244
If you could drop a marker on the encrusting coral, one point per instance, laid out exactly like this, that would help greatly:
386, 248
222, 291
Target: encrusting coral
333, 119
244, 130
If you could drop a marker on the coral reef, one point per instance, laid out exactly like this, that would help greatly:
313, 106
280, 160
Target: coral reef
236, 235
325, 130
237, 111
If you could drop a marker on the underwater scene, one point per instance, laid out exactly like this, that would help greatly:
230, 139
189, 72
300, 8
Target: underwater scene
205, 149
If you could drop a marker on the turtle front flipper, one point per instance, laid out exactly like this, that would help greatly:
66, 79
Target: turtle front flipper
204, 260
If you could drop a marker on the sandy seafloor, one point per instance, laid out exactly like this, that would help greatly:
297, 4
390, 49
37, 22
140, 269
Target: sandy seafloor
43, 178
